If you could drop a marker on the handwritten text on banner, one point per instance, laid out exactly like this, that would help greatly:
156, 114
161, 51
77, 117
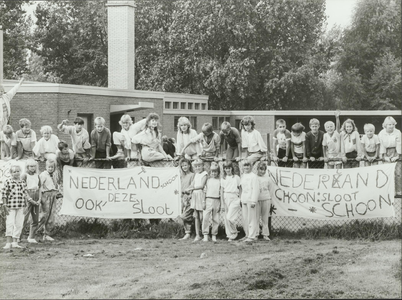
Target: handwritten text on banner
333, 194
140, 192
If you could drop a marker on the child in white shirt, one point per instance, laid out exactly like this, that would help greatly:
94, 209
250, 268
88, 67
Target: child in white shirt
264, 200
252, 141
370, 145
47, 146
212, 203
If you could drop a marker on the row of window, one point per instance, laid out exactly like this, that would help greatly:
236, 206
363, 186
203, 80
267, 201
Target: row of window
185, 105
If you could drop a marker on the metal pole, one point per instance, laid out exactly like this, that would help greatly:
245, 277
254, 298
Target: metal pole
1, 55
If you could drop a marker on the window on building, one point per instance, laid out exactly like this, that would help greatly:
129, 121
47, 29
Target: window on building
215, 123
203, 106
197, 106
167, 105
190, 105
183, 105
175, 105
193, 121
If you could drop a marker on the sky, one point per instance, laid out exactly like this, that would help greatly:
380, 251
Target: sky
338, 11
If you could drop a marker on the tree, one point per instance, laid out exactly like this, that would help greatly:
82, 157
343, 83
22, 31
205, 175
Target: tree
369, 47
234, 51
16, 36
71, 38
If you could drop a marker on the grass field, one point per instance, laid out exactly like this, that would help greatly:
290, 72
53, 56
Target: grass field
170, 268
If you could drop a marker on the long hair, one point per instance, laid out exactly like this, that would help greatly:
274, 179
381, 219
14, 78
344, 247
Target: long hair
153, 116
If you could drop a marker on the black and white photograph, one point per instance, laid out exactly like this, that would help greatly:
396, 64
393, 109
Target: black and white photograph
200, 149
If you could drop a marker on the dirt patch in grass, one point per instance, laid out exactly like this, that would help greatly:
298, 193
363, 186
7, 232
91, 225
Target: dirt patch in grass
169, 268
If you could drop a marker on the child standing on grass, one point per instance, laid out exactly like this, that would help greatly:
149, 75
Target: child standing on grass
252, 141
370, 145
198, 195
184, 134
14, 193
264, 200
281, 143
100, 144
249, 192
350, 145
390, 141
31, 179
212, 203
8, 141
314, 149
297, 146
26, 140
230, 197
187, 178
49, 190
46, 147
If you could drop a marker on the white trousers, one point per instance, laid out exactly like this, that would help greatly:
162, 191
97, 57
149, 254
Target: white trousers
14, 222
263, 208
250, 224
211, 210
232, 211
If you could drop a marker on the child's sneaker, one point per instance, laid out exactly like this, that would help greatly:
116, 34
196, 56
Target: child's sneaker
205, 238
231, 240
265, 237
33, 241
186, 237
243, 239
15, 245
47, 238
197, 238
214, 238
7, 246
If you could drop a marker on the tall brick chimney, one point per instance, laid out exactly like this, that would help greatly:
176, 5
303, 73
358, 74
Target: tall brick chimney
121, 51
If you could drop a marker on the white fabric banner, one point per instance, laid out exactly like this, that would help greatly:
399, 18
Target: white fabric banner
330, 194
139, 193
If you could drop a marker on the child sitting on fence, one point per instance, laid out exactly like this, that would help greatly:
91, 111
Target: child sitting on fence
26, 139
14, 194
264, 200
8, 141
212, 203
331, 144
100, 144
390, 141
252, 141
210, 143
314, 150
184, 135
297, 146
249, 192
350, 145
370, 145
49, 191
31, 179
230, 199
281, 143
198, 195
47, 146
150, 141
187, 178
79, 139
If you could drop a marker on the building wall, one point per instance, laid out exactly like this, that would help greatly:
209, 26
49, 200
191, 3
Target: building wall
52, 108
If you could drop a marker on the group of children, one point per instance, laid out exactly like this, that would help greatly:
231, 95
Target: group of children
204, 196
337, 146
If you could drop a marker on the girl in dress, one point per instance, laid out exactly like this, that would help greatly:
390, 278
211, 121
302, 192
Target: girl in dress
198, 195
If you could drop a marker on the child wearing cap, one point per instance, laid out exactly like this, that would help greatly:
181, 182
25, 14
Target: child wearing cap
297, 146
79, 139
212, 203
